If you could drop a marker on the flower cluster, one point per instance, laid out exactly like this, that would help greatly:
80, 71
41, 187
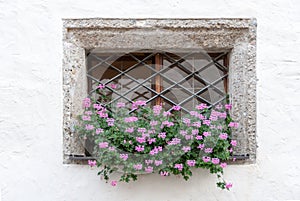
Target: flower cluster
138, 139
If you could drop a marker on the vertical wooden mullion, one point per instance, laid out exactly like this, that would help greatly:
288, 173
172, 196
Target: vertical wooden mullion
158, 79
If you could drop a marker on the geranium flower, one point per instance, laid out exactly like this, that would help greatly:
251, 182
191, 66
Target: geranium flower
178, 166
89, 127
223, 136
149, 169
113, 183
223, 165
233, 124
103, 145
124, 156
120, 105
101, 86
158, 162
228, 185
208, 150
92, 163
139, 148
228, 106
215, 161
138, 166
176, 107
86, 118
191, 163
233, 143
201, 106
206, 159
87, 102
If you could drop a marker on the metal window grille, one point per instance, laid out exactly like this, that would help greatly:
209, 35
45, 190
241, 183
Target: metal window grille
184, 78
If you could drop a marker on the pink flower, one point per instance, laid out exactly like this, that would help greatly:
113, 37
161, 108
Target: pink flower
124, 156
197, 124
141, 130
130, 119
140, 139
139, 148
89, 127
157, 109
179, 166
111, 149
206, 122
183, 132
103, 145
223, 165
193, 113
223, 115
174, 141
102, 114
158, 162
207, 134
113, 86
138, 166
186, 148
92, 163
228, 106
233, 124
101, 86
186, 121
191, 163
151, 140
195, 132
208, 150
153, 123
129, 130
206, 159
120, 105
219, 106
86, 118
113, 183
201, 146
138, 103
155, 150
88, 112
162, 135
165, 114
201, 106
164, 173
223, 136
166, 123
199, 137
215, 161
176, 107
87, 102
149, 169
148, 162
97, 106
188, 137
228, 185
233, 143
99, 130
110, 121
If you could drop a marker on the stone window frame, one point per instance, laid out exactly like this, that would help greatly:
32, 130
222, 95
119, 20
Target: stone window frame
235, 36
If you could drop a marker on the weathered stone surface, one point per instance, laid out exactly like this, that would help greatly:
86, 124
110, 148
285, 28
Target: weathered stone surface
237, 36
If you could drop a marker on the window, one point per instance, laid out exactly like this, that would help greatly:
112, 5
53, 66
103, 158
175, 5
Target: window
163, 62
185, 78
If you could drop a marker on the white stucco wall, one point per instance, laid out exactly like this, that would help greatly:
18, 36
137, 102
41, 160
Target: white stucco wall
31, 165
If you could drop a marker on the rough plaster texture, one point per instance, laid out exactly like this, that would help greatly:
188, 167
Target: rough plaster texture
31, 104
237, 36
